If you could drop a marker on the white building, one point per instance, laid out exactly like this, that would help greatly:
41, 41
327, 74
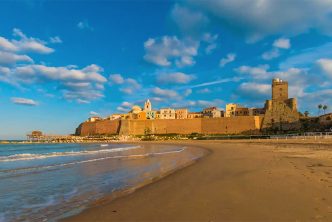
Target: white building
167, 113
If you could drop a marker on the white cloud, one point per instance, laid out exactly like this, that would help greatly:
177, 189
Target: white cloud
211, 42
256, 72
170, 50
325, 66
75, 84
116, 78
84, 25
176, 77
307, 57
129, 85
274, 53
165, 92
259, 18
9, 58
93, 113
199, 103
125, 106
187, 92
190, 22
24, 44
24, 101
278, 45
282, 43
230, 57
55, 39
255, 90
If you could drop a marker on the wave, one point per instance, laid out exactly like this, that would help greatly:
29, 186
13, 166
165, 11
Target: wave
32, 156
18, 171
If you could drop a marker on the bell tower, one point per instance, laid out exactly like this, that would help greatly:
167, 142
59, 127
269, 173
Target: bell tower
147, 105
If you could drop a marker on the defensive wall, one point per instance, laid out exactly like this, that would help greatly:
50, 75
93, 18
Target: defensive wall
230, 125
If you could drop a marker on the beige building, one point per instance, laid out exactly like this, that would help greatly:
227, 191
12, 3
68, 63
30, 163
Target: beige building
194, 115
256, 111
234, 110
167, 113
241, 111
212, 112
94, 119
181, 113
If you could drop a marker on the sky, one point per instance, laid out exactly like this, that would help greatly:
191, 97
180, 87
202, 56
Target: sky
63, 61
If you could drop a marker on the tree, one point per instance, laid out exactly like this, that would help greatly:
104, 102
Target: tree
320, 106
325, 108
306, 113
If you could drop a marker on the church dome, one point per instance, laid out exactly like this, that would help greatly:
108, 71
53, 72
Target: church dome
136, 109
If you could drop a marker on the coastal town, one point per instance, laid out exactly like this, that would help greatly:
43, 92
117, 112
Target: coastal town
278, 115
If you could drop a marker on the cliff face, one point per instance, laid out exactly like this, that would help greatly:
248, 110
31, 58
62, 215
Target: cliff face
232, 125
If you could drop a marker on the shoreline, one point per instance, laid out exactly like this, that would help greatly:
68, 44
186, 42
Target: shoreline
129, 191
136, 205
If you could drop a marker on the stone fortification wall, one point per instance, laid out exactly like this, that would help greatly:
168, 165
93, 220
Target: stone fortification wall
231, 125
103, 127
161, 126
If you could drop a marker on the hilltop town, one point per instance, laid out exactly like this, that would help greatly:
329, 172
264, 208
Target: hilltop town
279, 114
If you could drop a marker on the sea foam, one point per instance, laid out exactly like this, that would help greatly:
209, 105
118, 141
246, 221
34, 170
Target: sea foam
32, 156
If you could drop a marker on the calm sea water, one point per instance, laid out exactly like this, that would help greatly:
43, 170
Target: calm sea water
48, 182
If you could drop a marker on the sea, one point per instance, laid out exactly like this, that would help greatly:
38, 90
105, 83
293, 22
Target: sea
48, 182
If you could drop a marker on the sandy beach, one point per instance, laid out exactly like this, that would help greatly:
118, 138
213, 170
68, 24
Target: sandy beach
239, 181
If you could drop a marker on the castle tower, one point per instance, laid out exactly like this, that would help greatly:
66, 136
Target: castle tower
281, 112
147, 105
279, 90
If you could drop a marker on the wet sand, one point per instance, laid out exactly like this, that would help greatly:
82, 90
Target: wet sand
239, 181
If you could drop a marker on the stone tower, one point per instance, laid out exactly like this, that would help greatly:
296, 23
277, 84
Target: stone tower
279, 90
147, 105
281, 111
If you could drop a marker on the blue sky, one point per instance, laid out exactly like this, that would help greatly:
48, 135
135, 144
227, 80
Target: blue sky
61, 62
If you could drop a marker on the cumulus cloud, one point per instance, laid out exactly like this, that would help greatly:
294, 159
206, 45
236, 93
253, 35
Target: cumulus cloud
12, 49
256, 72
282, 43
256, 19
129, 85
176, 77
116, 79
230, 57
24, 101
82, 85
325, 66
9, 58
29, 44
211, 41
164, 92
255, 90
307, 57
170, 50
55, 39
273, 53
125, 106
278, 46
